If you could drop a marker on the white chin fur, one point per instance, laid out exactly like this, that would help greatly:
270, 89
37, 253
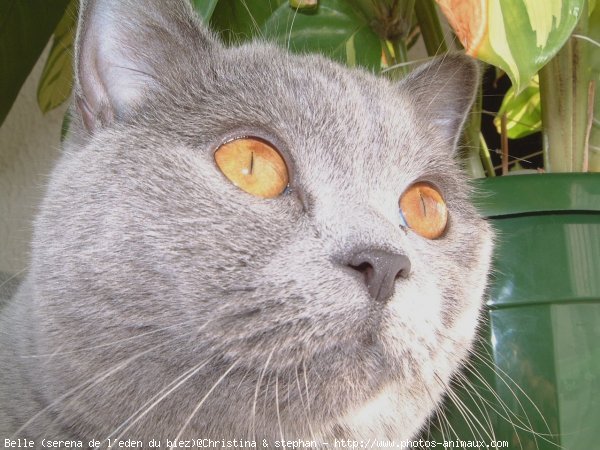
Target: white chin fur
393, 414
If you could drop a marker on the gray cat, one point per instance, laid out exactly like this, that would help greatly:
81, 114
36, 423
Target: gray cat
238, 243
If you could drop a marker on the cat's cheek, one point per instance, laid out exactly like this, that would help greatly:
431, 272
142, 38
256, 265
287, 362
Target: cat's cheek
467, 318
412, 318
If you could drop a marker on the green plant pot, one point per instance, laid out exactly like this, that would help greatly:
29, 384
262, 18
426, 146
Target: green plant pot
539, 349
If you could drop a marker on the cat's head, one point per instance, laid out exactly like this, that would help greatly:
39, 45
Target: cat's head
338, 306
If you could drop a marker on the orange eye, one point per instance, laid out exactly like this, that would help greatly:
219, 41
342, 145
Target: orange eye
424, 210
254, 166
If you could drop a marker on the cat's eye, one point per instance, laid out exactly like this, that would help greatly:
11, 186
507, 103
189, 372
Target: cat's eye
423, 209
254, 166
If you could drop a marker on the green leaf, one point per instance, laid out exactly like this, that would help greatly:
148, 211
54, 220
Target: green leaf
594, 35
370, 8
25, 27
205, 8
66, 123
519, 36
523, 111
431, 27
335, 29
57, 77
240, 20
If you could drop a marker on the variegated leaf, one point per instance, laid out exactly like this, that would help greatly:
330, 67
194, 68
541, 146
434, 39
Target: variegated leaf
523, 111
519, 36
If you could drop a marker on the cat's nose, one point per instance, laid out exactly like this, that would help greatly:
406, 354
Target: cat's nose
380, 269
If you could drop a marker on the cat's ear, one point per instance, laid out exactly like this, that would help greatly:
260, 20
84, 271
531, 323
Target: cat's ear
443, 91
124, 49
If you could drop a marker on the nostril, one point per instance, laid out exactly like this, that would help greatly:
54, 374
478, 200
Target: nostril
365, 268
403, 273
380, 270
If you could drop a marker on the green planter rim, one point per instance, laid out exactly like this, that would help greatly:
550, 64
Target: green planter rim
538, 193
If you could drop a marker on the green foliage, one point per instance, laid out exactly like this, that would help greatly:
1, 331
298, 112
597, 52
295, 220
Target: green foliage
523, 111
523, 36
205, 8
594, 35
565, 95
518, 37
335, 28
550, 38
239, 20
57, 77
25, 27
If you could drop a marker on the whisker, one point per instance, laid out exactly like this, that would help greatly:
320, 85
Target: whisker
52, 355
154, 348
407, 63
12, 277
438, 412
93, 381
467, 388
109, 344
501, 376
155, 400
289, 41
254, 22
463, 409
201, 402
500, 401
258, 383
243, 379
443, 87
289, 385
306, 386
277, 406
487, 361
528, 428
445, 422
304, 406
264, 409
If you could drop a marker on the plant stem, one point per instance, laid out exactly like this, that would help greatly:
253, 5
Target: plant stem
594, 140
404, 10
402, 13
594, 40
431, 27
393, 73
504, 145
564, 99
588, 131
389, 58
484, 154
471, 149
400, 55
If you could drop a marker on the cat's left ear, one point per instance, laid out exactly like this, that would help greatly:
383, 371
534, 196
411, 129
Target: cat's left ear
443, 91
125, 50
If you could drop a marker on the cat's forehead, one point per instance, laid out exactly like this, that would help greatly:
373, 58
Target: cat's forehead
326, 119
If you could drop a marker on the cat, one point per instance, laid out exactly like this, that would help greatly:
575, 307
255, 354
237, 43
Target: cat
332, 295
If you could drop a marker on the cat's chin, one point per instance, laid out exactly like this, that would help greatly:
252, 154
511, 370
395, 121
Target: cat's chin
393, 413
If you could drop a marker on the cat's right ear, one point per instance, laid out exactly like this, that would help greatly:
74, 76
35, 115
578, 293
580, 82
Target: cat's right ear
443, 92
125, 48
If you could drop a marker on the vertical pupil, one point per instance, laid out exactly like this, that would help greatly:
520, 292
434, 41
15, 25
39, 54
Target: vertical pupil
423, 203
253, 166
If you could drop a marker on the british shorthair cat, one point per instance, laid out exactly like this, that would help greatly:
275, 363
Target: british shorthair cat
227, 251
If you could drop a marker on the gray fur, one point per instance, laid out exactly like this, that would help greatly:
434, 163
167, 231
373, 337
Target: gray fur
146, 260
